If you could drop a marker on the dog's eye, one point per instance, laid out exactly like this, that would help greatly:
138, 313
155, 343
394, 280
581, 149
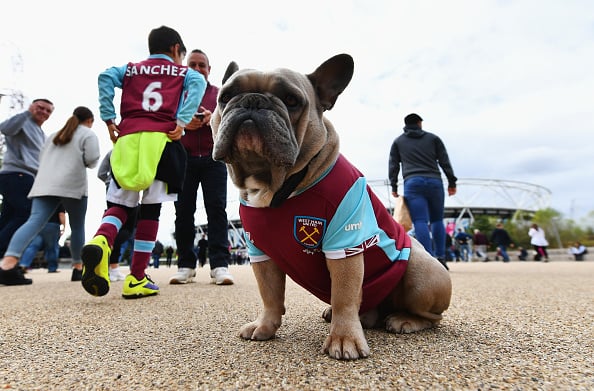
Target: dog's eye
291, 101
225, 98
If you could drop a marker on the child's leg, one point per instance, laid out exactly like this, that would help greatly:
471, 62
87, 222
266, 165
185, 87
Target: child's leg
111, 223
144, 241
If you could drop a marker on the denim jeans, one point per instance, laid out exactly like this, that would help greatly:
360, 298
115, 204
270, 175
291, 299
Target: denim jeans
47, 240
503, 250
425, 201
212, 175
16, 207
42, 210
465, 252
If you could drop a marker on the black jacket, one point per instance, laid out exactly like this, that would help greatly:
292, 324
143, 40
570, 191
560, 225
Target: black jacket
420, 153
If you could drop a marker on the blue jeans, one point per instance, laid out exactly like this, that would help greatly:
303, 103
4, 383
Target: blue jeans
465, 252
47, 240
425, 201
16, 207
503, 250
156, 258
212, 175
42, 210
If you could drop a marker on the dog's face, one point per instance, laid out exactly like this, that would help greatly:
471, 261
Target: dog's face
270, 125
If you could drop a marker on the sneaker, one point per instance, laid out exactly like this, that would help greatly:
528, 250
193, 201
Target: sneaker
183, 276
76, 275
134, 289
14, 276
221, 276
95, 257
116, 275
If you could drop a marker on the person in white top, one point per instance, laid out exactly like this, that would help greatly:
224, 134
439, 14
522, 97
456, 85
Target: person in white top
539, 241
61, 178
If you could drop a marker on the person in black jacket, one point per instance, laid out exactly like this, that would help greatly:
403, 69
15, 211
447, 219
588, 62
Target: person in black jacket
501, 239
421, 154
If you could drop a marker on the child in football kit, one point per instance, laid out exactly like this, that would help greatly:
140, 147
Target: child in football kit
159, 97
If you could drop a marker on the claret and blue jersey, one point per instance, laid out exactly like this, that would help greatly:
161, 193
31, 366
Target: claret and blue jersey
337, 217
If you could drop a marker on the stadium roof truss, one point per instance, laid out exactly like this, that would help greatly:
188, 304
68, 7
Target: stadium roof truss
476, 196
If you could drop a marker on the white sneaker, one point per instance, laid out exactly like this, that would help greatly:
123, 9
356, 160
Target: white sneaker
183, 276
115, 274
221, 276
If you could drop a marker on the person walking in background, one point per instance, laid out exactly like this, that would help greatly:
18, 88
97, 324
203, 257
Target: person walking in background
203, 171
157, 253
480, 242
159, 97
539, 241
500, 238
46, 240
61, 179
420, 153
23, 139
578, 251
463, 241
169, 254
202, 249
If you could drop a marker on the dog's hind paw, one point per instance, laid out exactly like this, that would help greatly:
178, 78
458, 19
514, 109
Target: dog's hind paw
327, 314
405, 323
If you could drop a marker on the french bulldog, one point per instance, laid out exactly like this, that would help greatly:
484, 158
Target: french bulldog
308, 213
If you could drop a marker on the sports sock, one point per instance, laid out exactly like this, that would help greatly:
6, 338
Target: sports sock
144, 241
111, 223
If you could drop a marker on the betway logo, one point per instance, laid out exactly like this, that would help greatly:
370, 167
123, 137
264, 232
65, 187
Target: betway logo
353, 226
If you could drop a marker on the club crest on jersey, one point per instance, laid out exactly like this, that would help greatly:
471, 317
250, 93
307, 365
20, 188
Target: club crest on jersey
309, 231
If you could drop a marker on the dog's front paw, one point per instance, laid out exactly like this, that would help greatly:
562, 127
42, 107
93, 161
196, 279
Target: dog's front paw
368, 319
350, 344
258, 330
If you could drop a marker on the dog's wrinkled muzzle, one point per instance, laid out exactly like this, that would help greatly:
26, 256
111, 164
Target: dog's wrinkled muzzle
253, 129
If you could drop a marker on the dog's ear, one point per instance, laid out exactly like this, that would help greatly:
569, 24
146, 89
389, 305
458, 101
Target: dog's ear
331, 78
231, 69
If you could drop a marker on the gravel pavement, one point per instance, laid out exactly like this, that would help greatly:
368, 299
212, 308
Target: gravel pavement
511, 326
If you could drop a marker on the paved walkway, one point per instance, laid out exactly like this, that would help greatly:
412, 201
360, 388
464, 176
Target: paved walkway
512, 326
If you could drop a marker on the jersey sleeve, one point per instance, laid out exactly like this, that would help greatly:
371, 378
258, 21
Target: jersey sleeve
108, 81
353, 223
255, 254
194, 88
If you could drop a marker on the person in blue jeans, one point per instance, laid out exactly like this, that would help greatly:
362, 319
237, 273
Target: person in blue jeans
421, 153
61, 179
501, 239
463, 240
46, 240
23, 139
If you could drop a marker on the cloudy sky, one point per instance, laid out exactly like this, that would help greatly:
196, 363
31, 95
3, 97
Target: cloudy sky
508, 85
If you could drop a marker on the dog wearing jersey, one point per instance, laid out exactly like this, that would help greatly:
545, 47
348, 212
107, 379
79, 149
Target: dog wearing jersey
308, 212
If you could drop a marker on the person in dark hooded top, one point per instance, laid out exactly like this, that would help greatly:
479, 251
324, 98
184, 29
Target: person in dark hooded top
421, 153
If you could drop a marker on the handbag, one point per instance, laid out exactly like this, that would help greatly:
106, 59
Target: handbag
401, 213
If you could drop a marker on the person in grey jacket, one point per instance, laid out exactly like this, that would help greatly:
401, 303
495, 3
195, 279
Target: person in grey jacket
61, 178
24, 139
421, 154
